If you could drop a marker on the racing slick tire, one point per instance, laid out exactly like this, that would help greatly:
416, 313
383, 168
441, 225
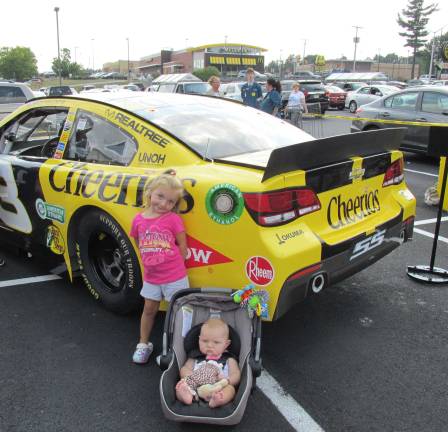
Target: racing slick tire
108, 263
353, 106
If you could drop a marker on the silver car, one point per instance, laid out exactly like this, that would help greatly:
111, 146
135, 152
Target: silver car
415, 104
367, 94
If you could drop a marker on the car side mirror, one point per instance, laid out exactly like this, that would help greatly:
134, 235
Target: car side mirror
10, 136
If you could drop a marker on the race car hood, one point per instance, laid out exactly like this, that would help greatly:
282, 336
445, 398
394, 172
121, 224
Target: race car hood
325, 151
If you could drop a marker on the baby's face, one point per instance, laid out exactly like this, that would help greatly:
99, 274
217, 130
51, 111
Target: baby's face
213, 341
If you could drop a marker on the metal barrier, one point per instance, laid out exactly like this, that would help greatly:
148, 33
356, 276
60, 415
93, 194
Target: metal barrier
312, 123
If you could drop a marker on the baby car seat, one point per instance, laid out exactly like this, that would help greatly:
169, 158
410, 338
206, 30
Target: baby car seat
187, 311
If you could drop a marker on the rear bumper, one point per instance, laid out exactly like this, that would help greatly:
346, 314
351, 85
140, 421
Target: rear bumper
338, 262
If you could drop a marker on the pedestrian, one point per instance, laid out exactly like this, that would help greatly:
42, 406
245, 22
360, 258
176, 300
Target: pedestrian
272, 101
296, 105
214, 82
160, 235
251, 91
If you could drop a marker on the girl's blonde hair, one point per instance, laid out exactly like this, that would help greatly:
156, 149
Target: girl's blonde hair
169, 180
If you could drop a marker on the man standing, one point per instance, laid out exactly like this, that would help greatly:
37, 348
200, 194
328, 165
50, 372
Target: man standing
251, 91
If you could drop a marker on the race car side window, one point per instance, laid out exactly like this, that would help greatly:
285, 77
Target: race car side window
32, 130
95, 139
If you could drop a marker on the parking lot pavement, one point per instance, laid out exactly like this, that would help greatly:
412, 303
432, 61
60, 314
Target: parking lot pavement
368, 354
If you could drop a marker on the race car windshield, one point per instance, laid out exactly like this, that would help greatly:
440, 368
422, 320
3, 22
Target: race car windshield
217, 129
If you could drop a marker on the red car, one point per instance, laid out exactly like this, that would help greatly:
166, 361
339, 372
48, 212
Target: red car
336, 97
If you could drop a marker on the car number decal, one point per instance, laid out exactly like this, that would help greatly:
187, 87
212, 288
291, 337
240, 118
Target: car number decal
367, 244
12, 211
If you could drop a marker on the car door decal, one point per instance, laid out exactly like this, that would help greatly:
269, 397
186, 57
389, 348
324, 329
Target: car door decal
12, 211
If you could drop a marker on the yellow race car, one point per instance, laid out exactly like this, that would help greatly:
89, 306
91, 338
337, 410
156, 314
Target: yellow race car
265, 202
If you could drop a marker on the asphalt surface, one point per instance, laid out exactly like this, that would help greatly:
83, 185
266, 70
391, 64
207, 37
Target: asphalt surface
369, 354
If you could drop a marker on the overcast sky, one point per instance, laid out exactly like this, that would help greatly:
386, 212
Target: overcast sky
152, 25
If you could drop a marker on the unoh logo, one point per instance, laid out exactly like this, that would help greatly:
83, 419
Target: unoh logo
259, 271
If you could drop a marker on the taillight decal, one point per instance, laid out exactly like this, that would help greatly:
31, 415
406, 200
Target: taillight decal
275, 208
394, 174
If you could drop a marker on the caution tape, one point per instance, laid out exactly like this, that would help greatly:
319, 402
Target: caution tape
400, 122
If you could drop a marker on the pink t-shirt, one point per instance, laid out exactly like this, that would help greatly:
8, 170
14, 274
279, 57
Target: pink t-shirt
156, 239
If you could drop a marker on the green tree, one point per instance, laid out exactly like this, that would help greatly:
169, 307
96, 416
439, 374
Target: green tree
414, 20
63, 64
205, 73
17, 63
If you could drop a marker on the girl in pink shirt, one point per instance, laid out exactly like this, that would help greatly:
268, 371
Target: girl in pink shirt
160, 235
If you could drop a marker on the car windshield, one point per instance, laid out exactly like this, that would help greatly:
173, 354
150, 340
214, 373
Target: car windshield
216, 128
310, 87
199, 87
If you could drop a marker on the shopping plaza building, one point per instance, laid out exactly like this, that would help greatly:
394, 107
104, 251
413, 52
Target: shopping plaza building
229, 58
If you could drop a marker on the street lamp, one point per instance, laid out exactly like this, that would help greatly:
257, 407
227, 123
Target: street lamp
356, 41
93, 55
56, 9
129, 70
304, 46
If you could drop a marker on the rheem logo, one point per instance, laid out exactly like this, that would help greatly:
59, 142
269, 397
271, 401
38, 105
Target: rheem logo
259, 271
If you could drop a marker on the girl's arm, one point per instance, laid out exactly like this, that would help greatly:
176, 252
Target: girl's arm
234, 372
187, 368
181, 240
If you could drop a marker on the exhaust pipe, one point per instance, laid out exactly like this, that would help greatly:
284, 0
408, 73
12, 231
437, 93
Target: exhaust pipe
318, 283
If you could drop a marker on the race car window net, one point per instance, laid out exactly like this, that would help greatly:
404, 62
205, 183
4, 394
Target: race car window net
95, 139
279, 207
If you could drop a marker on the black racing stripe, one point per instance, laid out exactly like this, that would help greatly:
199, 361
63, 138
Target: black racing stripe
376, 165
331, 250
329, 177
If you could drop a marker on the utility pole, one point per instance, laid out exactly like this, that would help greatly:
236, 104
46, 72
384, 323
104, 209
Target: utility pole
432, 56
129, 69
356, 41
93, 55
304, 46
56, 9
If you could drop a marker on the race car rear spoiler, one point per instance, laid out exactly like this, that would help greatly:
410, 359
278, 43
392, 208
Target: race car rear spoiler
325, 151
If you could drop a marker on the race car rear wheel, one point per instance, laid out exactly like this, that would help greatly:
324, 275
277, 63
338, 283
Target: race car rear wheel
108, 262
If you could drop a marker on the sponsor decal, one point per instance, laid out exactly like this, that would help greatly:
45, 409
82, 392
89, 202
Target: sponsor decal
367, 244
224, 203
50, 211
344, 212
83, 275
58, 154
283, 238
356, 173
201, 255
259, 270
78, 179
55, 240
152, 158
137, 127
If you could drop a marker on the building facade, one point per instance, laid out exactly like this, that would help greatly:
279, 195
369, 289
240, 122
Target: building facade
229, 58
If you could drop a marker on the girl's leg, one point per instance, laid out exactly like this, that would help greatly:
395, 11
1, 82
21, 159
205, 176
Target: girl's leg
147, 321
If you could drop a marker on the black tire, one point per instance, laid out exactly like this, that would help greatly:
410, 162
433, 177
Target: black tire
108, 263
353, 106
341, 107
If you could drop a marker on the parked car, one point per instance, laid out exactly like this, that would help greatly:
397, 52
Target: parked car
416, 104
12, 95
60, 91
348, 86
179, 83
88, 87
316, 96
336, 97
259, 206
140, 85
258, 76
131, 87
305, 75
367, 94
232, 90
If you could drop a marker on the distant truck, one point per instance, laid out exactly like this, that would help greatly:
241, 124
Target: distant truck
12, 95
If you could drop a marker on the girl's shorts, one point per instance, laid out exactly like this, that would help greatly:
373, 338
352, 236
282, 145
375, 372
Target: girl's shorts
166, 291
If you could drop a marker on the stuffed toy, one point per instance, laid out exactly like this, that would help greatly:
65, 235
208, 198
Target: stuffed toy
206, 379
255, 301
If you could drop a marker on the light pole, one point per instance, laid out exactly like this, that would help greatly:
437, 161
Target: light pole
379, 56
304, 46
56, 9
356, 41
75, 52
129, 69
93, 55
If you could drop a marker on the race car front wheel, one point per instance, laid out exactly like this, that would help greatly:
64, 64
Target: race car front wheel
108, 262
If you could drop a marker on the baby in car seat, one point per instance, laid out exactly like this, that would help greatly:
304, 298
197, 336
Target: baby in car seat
215, 370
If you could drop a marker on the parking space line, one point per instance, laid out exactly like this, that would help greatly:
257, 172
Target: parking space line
421, 172
431, 235
296, 416
29, 280
430, 221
